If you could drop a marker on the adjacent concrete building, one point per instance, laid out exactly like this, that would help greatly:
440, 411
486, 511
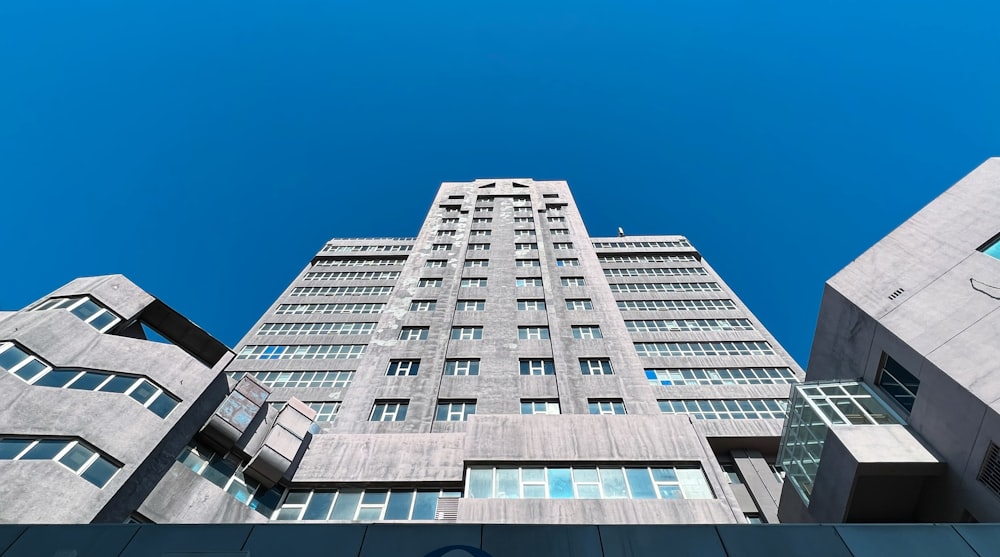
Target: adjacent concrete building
500, 367
899, 421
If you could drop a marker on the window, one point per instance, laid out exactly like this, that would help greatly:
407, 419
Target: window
727, 409
524, 232
537, 367
440, 247
360, 261
562, 245
571, 262
682, 243
596, 366
315, 329
527, 263
525, 245
603, 481
992, 248
473, 283
469, 263
668, 349
301, 352
482, 220
353, 275
293, 379
429, 283
559, 231
357, 249
470, 305
532, 333
82, 459
451, 208
423, 305
436, 263
523, 220
461, 367
455, 411
580, 304
484, 199
84, 308
678, 305
658, 272
550, 195
897, 382
666, 287
466, 333
325, 411
341, 291
479, 247
653, 258
483, 210
586, 331
413, 333
606, 406
556, 219
573, 281
722, 376
664, 325
449, 220
403, 367
539, 406
226, 472
476, 233
448, 233
530, 305
306, 309
389, 411
527, 282
32, 370
369, 505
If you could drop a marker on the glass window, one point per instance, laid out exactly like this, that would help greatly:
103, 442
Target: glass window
539, 406
455, 411
403, 367
413, 333
572, 281
531, 305
461, 367
586, 331
596, 366
466, 333
532, 333
423, 305
537, 367
389, 411
527, 263
897, 382
527, 282
470, 305
606, 406
582, 304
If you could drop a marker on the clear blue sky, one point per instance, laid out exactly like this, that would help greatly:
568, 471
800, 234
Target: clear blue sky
207, 149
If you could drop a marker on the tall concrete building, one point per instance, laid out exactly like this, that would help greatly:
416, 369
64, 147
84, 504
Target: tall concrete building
500, 367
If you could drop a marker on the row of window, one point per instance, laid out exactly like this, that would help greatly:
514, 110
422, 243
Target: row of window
657, 272
353, 275
686, 481
300, 379
470, 263
341, 291
360, 261
308, 309
722, 376
523, 304
86, 309
489, 220
664, 325
727, 409
356, 249
670, 349
460, 410
520, 282
666, 287
363, 505
664, 244
523, 332
485, 246
325, 411
32, 370
301, 352
82, 459
677, 305
648, 258
316, 328
526, 366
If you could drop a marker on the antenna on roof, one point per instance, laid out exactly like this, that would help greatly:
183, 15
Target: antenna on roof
621, 233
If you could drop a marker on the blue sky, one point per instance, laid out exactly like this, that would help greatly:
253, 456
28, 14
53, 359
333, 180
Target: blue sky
206, 149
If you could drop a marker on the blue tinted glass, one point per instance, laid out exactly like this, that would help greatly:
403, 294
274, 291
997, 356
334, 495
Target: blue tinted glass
99, 472
46, 449
85, 310
118, 384
162, 405
89, 381
993, 250
319, 505
30, 369
102, 320
56, 377
425, 505
560, 483
651, 374
346, 506
638, 480
143, 392
399, 505
11, 357
9, 448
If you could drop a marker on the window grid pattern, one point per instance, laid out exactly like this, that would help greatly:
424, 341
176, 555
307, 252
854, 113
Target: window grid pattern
454, 411
678, 481
482, 220
527, 282
645, 258
523, 220
531, 305
449, 220
665, 325
532, 333
85, 309
413, 333
360, 262
671, 349
466, 333
353, 275
587, 332
461, 367
370, 505
596, 366
527, 263
573, 281
722, 376
440, 247
562, 245
473, 283
479, 247
341, 291
435, 264
360, 249
525, 245
524, 232
580, 304
470, 305
307, 309
79, 457
530, 407
537, 367
388, 411
325, 411
728, 409
423, 305
226, 472
556, 219
897, 382
676, 305
301, 352
657, 272
403, 367
429, 283
315, 329
469, 263
568, 262
300, 379
608, 406
559, 231
33, 371
666, 287
622, 245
